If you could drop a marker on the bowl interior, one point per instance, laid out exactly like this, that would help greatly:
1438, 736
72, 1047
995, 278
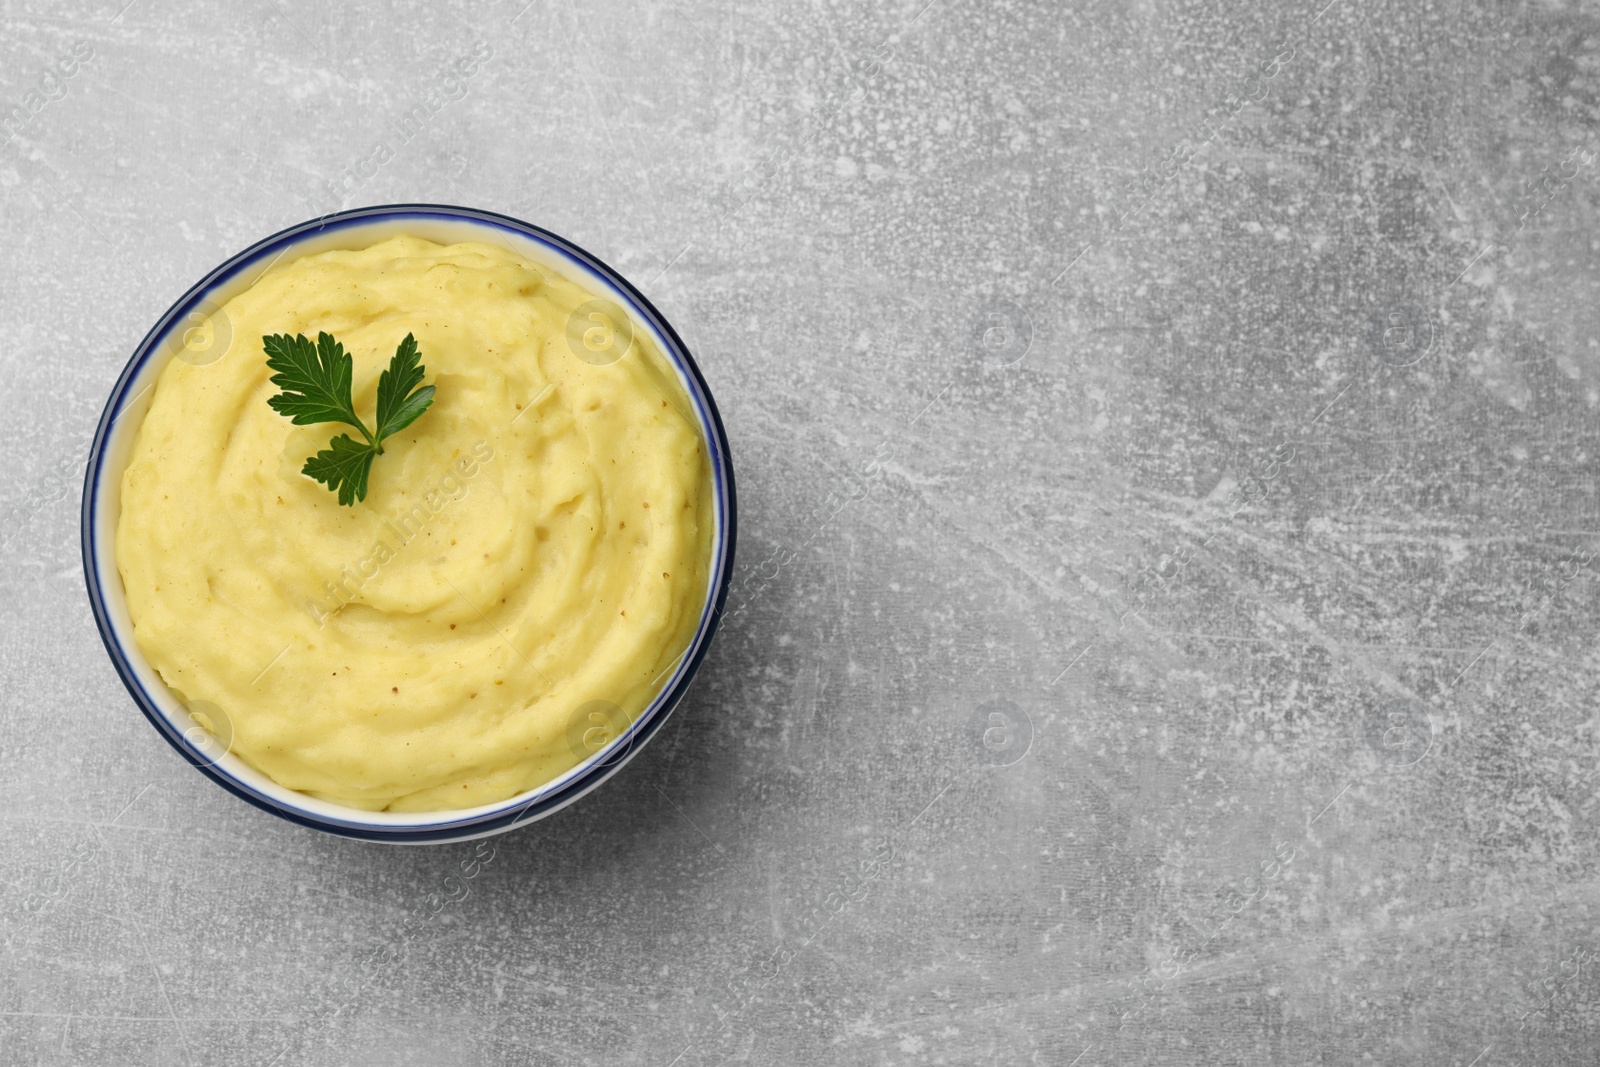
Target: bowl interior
131, 398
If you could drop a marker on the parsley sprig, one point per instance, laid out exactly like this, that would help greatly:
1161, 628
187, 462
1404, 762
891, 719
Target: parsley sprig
315, 380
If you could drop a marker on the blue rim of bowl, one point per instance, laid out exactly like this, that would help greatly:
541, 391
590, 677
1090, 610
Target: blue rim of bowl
600, 766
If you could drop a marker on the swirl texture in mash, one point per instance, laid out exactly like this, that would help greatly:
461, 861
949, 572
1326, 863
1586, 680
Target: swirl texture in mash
537, 542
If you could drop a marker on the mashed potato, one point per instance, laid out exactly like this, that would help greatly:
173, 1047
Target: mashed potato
530, 562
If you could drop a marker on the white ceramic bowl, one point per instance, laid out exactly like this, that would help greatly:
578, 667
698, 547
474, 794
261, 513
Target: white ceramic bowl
130, 399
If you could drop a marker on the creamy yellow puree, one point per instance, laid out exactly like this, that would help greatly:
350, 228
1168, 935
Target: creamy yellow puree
535, 547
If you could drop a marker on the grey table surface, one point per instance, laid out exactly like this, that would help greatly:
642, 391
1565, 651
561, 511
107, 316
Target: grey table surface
1166, 442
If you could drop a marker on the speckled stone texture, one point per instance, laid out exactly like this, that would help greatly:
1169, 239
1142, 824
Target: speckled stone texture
1166, 446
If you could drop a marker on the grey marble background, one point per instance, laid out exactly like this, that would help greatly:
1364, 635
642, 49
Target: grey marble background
1166, 439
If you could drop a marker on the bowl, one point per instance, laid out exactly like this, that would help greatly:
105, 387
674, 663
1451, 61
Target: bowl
180, 334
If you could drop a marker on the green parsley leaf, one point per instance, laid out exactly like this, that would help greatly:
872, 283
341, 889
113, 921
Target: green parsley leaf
397, 409
315, 381
316, 388
344, 466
